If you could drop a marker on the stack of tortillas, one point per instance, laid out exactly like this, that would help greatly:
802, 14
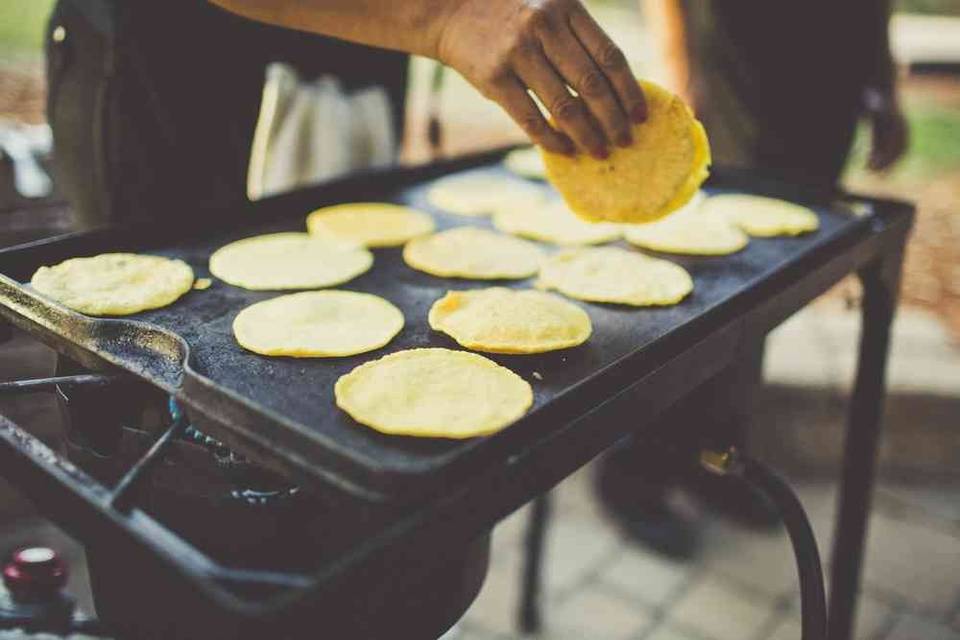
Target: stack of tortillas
651, 178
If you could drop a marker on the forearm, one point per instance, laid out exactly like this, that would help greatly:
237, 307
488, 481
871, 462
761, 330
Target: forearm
412, 26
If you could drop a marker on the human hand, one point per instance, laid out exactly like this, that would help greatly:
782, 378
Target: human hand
507, 47
889, 131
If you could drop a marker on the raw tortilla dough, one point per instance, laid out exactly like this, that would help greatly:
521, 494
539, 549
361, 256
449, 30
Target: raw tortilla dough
433, 393
115, 284
555, 223
609, 274
469, 252
656, 175
501, 320
688, 231
371, 224
481, 194
289, 261
763, 217
318, 324
526, 162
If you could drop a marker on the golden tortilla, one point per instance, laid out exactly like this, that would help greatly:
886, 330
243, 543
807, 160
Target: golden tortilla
659, 173
481, 194
469, 252
527, 163
688, 231
318, 324
555, 223
115, 284
763, 217
289, 261
609, 274
370, 224
501, 320
434, 393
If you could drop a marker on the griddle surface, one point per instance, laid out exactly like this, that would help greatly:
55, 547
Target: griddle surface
299, 392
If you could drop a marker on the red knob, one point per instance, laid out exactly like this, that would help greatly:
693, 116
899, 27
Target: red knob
34, 573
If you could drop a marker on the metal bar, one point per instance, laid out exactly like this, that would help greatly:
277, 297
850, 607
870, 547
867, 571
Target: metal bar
530, 618
123, 494
39, 385
880, 288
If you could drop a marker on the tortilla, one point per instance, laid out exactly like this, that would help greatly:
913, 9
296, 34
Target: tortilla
289, 260
318, 324
554, 223
370, 224
469, 252
115, 284
688, 231
763, 217
481, 194
501, 320
659, 173
433, 393
527, 163
610, 274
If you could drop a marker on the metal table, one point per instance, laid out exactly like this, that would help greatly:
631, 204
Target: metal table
436, 496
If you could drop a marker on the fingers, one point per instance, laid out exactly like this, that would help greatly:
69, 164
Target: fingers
611, 61
890, 140
568, 111
513, 97
573, 63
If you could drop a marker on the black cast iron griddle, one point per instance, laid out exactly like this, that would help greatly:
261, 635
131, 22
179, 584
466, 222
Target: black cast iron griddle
282, 409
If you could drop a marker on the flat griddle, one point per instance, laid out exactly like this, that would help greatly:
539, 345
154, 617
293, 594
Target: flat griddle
282, 409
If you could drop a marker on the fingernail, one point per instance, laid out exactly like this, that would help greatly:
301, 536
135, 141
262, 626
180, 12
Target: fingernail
639, 113
600, 153
625, 139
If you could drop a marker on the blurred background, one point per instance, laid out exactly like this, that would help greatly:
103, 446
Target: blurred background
742, 585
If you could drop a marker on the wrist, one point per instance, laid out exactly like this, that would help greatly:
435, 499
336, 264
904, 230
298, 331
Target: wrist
433, 22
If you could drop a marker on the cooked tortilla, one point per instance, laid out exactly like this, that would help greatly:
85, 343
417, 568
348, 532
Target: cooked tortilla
763, 217
613, 275
469, 252
556, 224
483, 194
502, 320
115, 284
370, 224
289, 260
318, 324
433, 393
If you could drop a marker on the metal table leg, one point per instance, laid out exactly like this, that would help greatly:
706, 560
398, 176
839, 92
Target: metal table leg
881, 282
530, 618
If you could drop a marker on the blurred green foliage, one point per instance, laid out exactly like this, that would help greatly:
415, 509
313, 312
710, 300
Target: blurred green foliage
22, 24
949, 7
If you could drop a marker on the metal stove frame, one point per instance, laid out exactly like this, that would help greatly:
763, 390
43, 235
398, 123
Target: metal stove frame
258, 600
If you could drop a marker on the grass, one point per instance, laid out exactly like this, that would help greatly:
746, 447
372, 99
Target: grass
22, 25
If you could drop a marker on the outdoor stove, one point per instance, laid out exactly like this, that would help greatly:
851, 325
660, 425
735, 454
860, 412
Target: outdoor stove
356, 533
